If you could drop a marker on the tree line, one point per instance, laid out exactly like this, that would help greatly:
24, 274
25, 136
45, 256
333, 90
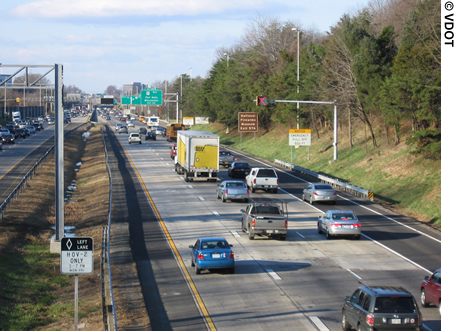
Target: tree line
381, 64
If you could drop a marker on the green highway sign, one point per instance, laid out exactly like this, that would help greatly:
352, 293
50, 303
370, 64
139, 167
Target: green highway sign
151, 97
131, 100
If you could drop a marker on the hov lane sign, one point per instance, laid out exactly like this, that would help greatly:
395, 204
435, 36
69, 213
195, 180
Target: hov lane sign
76, 255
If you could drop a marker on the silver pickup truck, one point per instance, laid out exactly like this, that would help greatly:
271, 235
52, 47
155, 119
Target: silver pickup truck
265, 217
225, 158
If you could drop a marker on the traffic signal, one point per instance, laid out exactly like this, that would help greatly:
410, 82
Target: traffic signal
261, 100
18, 100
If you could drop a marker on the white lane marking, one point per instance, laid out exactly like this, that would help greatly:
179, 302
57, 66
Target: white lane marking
398, 254
357, 276
201, 198
301, 235
216, 213
273, 275
318, 323
347, 199
189, 186
235, 233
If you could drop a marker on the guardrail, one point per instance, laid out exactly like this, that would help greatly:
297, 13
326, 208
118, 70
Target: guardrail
109, 308
27, 177
335, 183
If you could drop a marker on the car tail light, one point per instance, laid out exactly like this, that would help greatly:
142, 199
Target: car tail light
248, 191
335, 225
253, 223
286, 223
315, 193
200, 256
231, 255
370, 320
335, 193
420, 320
254, 181
277, 180
226, 191
356, 225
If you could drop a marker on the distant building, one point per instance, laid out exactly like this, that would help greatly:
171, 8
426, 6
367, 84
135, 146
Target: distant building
131, 89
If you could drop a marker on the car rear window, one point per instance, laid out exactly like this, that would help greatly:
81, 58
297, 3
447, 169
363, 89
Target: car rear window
236, 185
266, 209
394, 304
323, 186
242, 165
214, 245
266, 173
343, 216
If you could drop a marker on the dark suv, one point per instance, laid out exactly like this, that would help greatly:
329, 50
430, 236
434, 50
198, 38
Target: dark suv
381, 308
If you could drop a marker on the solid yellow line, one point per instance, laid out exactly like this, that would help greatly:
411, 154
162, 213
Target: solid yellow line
198, 298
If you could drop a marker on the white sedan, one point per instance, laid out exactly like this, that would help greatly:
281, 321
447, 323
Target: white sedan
134, 138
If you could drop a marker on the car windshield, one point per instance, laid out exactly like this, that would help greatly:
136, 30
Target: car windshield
322, 186
343, 216
394, 304
220, 244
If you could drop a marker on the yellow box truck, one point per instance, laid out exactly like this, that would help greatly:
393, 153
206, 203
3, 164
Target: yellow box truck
197, 155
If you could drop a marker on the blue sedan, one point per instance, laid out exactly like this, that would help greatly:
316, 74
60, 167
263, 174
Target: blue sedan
212, 253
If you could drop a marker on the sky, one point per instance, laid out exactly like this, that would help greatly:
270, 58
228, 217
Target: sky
113, 42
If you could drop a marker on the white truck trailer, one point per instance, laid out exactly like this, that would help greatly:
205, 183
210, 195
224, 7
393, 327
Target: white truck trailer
197, 155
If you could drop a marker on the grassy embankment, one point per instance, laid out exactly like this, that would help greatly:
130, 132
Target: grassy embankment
404, 183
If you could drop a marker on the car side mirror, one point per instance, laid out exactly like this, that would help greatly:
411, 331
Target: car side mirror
191, 247
426, 278
347, 298
242, 210
231, 245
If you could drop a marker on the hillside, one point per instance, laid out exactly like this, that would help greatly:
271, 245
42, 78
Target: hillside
402, 182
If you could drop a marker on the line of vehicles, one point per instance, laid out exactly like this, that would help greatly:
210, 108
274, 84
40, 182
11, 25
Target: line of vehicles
197, 156
19, 128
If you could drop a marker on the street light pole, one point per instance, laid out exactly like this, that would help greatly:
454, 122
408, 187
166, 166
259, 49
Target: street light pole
297, 104
227, 59
191, 75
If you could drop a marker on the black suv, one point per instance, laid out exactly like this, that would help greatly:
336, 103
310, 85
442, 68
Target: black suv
381, 308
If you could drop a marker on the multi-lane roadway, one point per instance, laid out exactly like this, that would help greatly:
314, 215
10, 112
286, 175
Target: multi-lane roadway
297, 284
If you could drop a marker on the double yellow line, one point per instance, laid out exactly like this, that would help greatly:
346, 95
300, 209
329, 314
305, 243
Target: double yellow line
188, 278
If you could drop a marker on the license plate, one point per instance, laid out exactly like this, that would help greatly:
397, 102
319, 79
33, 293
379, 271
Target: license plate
216, 255
395, 321
347, 226
270, 231
328, 197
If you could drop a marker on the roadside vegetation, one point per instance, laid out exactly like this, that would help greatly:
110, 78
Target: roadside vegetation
408, 184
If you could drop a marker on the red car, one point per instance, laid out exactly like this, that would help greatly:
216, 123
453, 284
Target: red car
173, 150
430, 289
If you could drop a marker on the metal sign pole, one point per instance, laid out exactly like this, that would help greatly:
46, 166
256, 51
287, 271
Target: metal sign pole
76, 300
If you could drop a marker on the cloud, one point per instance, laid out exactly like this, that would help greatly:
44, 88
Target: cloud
116, 8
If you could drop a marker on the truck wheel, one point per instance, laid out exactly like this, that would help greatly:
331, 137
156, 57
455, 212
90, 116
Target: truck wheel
283, 237
223, 199
253, 190
274, 191
185, 176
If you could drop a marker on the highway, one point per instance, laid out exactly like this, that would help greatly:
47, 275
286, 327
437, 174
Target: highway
297, 284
